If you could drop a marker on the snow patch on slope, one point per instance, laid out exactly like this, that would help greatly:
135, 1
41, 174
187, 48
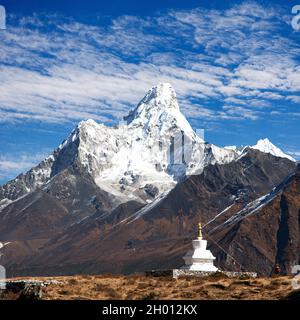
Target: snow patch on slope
223, 155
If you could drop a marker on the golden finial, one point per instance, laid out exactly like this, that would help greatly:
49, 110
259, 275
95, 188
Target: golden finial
200, 230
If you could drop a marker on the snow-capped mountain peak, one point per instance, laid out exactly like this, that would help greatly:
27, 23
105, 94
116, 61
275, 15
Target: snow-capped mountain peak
266, 146
159, 112
163, 94
139, 160
160, 98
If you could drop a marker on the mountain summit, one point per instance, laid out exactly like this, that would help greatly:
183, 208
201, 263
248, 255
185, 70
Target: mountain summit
159, 99
100, 178
159, 116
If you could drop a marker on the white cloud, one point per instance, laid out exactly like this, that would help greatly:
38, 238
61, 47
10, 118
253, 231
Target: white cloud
295, 99
74, 71
294, 154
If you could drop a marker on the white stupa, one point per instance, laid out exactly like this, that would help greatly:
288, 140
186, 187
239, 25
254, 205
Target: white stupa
199, 259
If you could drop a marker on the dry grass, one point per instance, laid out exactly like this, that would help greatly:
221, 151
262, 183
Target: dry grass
107, 287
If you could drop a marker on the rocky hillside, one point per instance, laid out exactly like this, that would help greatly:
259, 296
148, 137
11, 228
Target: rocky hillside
264, 233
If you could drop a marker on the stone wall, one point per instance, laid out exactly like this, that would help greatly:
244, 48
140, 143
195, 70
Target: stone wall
176, 273
230, 274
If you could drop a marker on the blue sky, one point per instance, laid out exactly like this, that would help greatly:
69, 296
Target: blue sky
234, 65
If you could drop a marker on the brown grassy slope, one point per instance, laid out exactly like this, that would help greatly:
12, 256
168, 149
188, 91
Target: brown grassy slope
140, 287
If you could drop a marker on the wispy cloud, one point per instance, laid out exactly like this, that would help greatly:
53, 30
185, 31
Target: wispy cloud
295, 154
55, 69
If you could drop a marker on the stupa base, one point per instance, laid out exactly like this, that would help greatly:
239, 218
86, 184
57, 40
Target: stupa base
200, 267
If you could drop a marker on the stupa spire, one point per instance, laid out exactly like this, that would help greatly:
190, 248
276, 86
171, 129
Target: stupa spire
200, 231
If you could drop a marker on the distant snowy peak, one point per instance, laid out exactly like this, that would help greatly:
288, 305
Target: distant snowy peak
266, 146
262, 145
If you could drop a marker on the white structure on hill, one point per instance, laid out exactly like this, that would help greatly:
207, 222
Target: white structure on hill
199, 259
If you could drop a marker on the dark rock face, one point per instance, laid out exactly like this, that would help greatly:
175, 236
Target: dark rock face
159, 238
151, 190
64, 158
269, 236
